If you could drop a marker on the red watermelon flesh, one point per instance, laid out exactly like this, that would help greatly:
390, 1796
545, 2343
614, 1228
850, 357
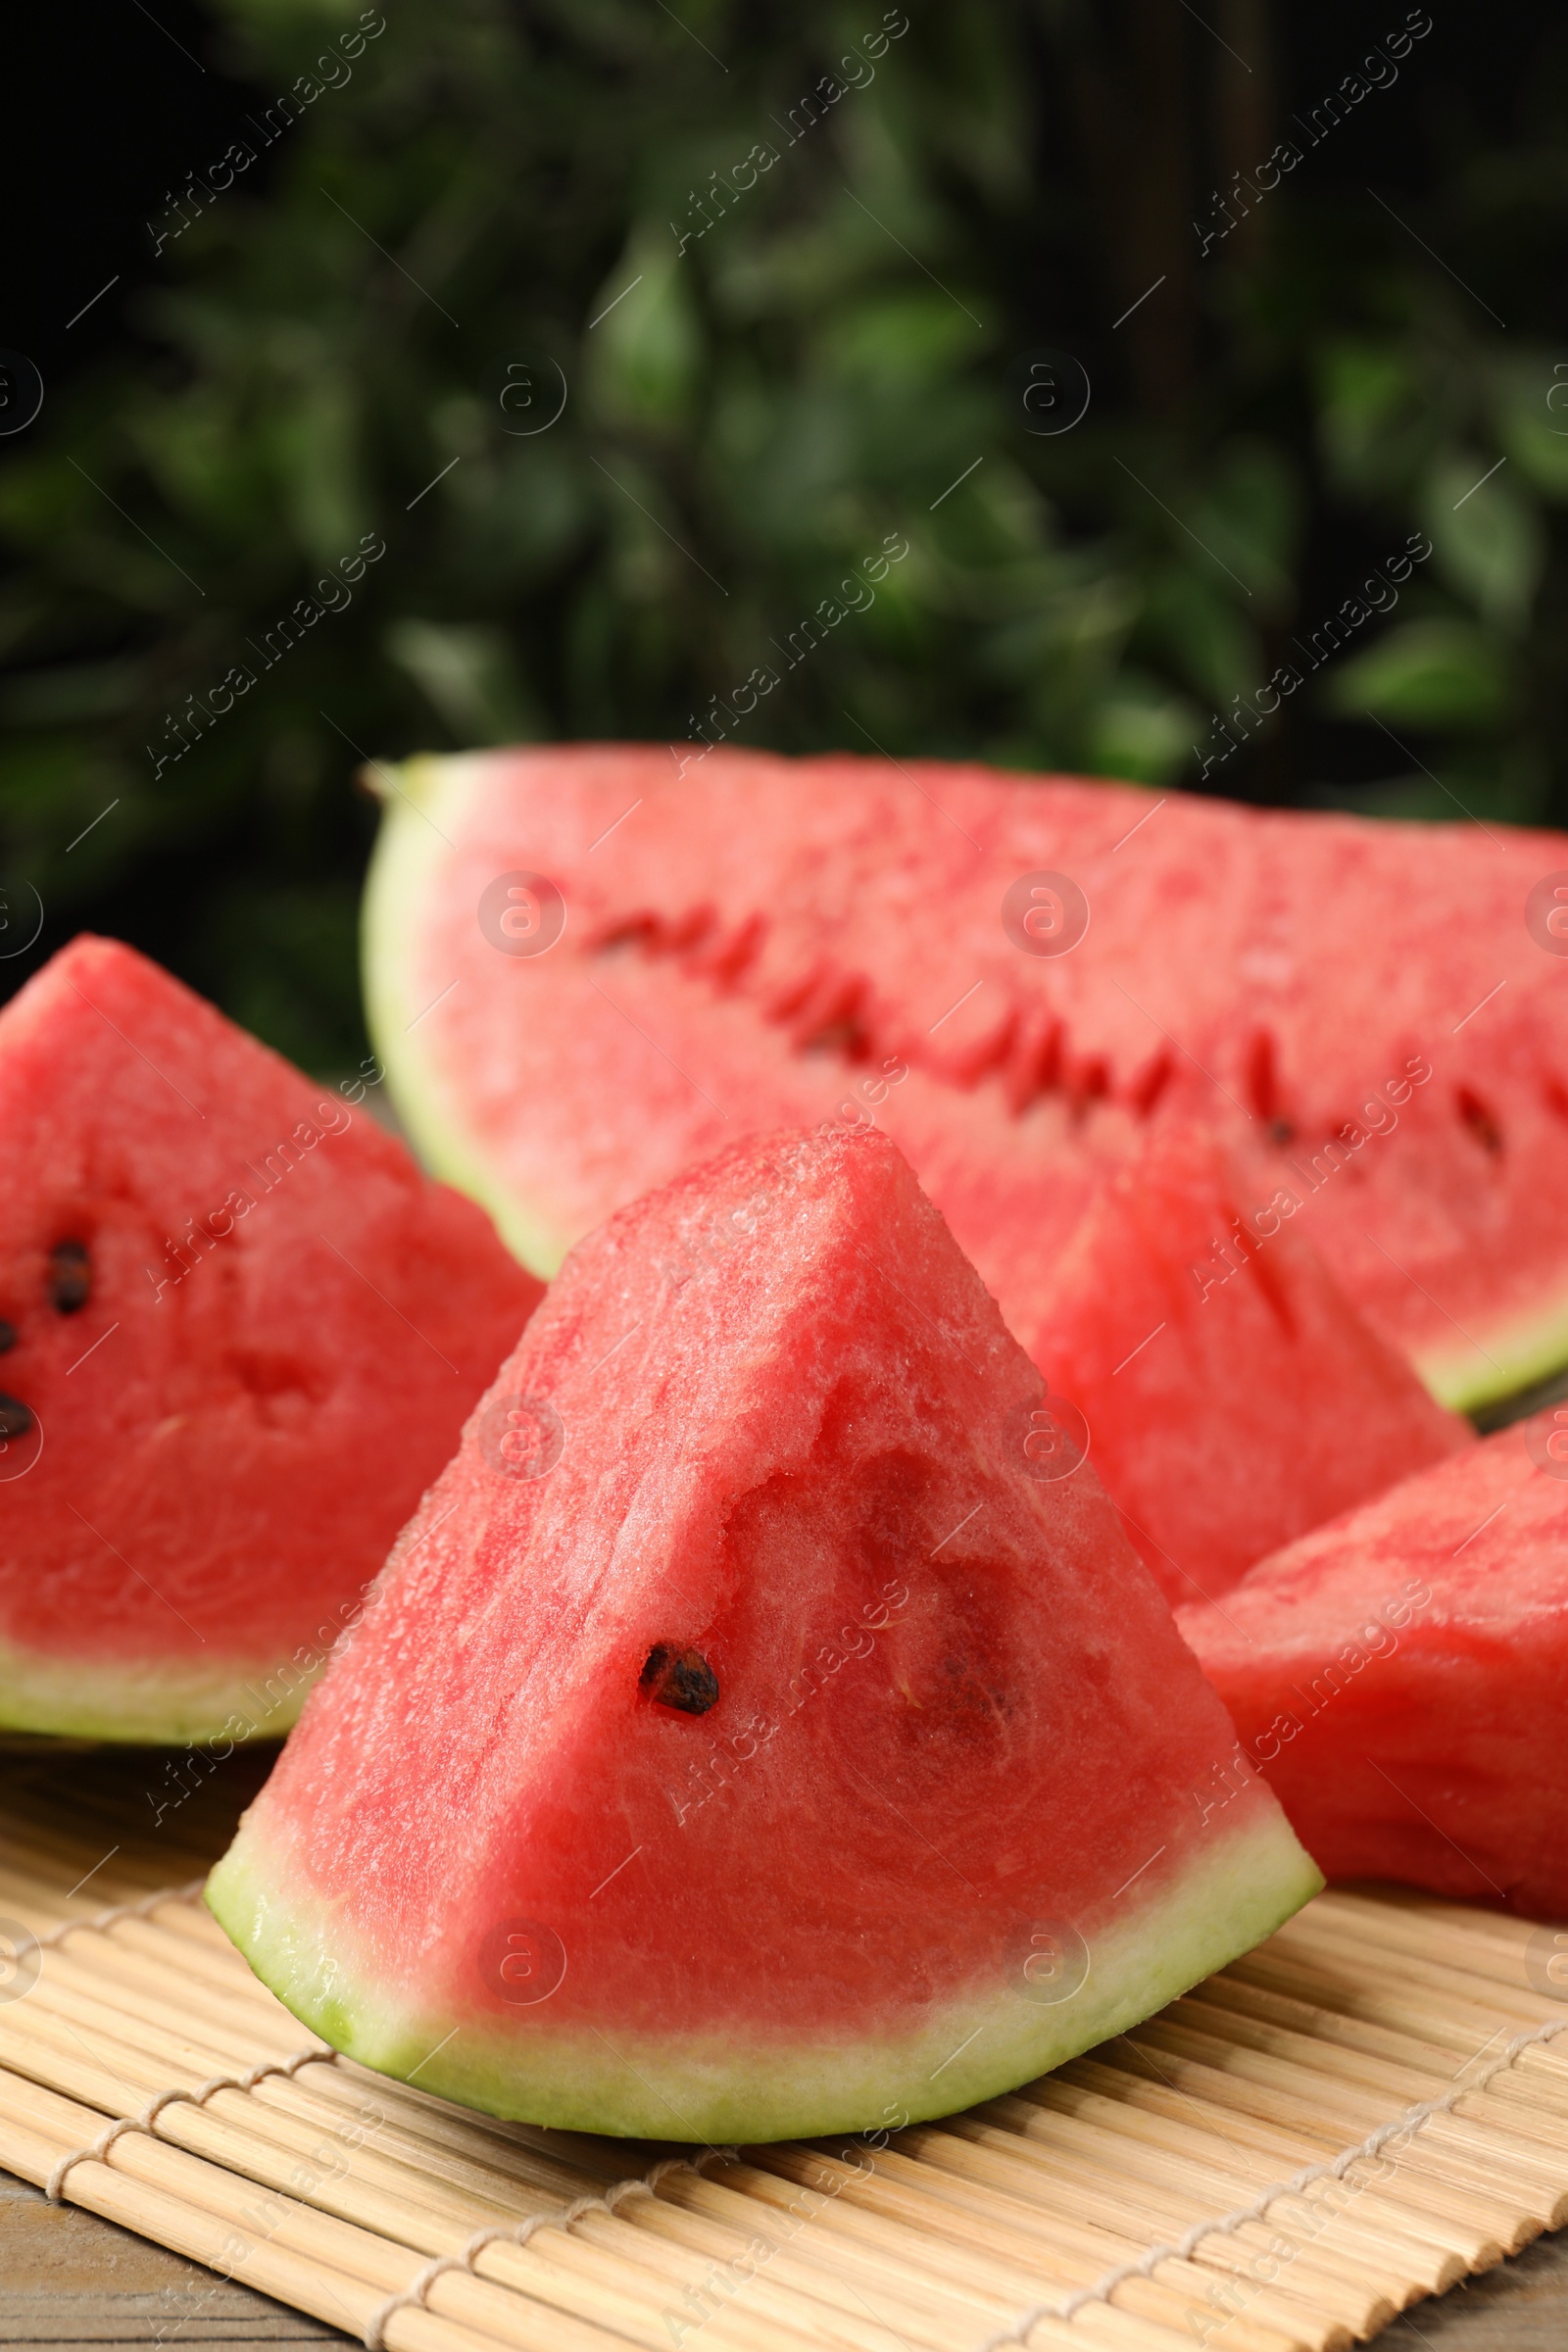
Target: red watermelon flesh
1402, 1676
1360, 1008
756, 1748
1232, 1396
242, 1333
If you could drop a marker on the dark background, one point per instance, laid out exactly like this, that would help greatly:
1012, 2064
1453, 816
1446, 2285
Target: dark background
225, 421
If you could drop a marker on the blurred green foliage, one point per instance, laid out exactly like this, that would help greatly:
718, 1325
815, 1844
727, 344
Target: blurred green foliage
751, 405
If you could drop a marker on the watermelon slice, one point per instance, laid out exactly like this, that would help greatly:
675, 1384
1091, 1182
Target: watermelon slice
586, 970
741, 1740
1402, 1676
1231, 1395
240, 1334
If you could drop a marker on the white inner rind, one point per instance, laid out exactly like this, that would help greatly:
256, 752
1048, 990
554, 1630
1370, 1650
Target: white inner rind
394, 890
155, 1703
736, 2085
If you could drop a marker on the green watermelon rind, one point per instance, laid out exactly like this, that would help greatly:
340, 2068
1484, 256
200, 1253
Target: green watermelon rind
1516, 1356
151, 1703
426, 791
1236, 1888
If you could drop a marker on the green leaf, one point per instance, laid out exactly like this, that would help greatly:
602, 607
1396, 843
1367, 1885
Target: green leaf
904, 340
1140, 734
468, 674
1532, 422
1367, 393
1189, 617
647, 348
1487, 537
1424, 673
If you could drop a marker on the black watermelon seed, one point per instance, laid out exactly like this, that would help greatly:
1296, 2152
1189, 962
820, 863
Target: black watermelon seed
16, 1419
679, 1677
70, 1277
8, 1336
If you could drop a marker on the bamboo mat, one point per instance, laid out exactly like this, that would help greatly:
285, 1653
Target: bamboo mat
1359, 2114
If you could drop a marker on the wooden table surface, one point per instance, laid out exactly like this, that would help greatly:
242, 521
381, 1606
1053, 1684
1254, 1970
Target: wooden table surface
67, 2278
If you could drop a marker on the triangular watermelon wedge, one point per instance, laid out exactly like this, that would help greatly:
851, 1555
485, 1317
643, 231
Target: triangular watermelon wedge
239, 1332
742, 1742
1232, 1396
1401, 1675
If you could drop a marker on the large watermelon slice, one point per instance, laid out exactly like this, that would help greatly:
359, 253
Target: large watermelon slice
240, 1333
586, 969
1402, 1676
1231, 1395
742, 1742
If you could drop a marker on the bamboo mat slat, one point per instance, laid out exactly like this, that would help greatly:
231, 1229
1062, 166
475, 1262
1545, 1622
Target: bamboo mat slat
1367, 2109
